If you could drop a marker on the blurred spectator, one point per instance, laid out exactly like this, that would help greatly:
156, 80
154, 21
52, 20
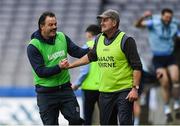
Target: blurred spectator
89, 78
162, 30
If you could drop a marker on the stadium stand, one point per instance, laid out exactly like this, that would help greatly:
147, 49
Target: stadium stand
18, 19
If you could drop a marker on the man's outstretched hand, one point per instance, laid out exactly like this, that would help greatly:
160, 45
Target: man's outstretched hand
64, 64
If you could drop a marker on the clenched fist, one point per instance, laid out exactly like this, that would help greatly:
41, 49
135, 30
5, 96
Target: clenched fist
64, 64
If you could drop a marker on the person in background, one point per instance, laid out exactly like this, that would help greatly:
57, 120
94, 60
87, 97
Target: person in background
120, 67
89, 78
162, 31
45, 51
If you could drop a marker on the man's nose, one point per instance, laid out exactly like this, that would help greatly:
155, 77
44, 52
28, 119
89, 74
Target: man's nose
54, 26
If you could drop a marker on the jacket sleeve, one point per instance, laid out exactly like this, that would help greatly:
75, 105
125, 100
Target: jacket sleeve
74, 50
131, 53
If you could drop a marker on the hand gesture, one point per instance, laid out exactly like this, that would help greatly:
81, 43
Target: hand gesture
75, 87
64, 64
147, 14
133, 95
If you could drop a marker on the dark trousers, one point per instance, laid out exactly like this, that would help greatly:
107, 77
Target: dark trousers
63, 100
90, 98
114, 108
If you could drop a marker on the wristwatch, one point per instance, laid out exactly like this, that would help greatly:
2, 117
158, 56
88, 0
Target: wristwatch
136, 87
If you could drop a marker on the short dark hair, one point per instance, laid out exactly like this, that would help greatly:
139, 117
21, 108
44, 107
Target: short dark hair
43, 17
94, 29
168, 10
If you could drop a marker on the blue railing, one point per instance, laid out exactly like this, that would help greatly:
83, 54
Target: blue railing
22, 92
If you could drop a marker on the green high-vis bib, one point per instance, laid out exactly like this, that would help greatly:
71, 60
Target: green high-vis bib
116, 73
91, 81
52, 54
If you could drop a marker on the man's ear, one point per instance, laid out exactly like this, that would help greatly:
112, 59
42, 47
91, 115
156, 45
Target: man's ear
114, 23
41, 26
